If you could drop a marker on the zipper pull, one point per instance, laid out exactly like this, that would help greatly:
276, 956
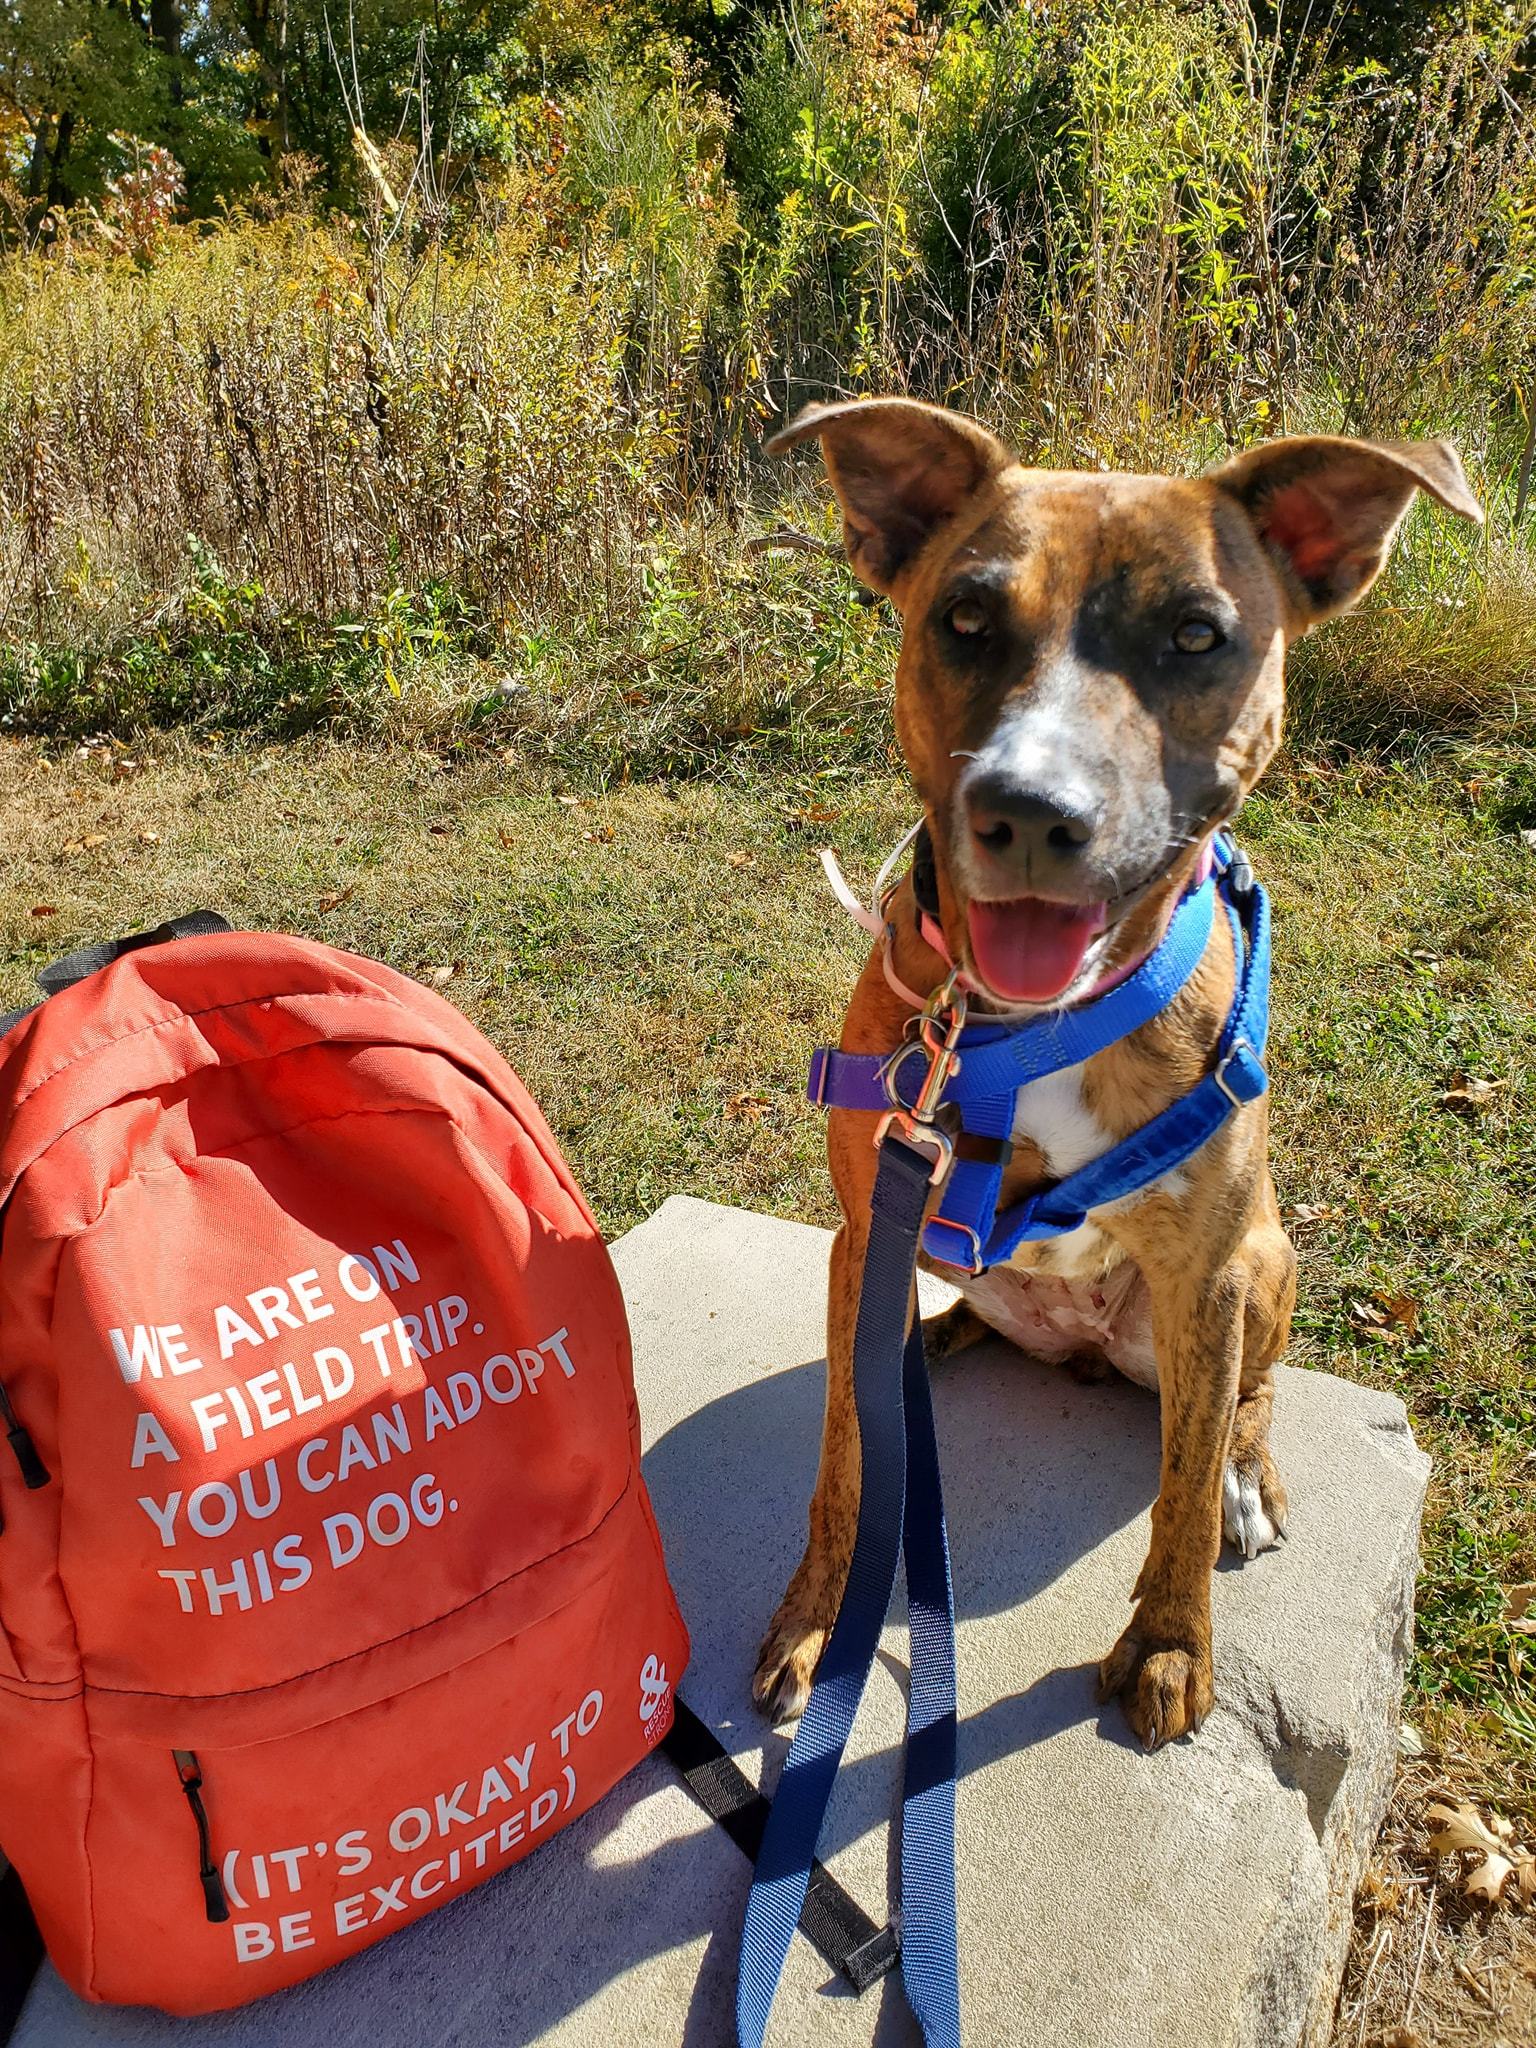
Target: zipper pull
33, 1470
190, 1773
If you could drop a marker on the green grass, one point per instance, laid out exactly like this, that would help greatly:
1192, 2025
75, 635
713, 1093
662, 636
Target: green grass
697, 661
657, 960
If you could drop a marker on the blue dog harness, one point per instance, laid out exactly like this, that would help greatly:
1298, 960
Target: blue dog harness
978, 1069
995, 1060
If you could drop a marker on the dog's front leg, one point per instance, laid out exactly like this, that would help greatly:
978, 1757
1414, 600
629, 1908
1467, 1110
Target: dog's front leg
798, 1633
1161, 1666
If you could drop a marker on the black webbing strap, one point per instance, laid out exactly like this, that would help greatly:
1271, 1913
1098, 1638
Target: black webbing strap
91, 959
76, 966
836, 1925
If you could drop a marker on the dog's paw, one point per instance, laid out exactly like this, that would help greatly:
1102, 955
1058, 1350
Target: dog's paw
1164, 1688
1253, 1506
786, 1666
954, 1329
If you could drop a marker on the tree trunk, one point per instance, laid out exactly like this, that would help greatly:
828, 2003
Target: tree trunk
36, 169
166, 28
58, 193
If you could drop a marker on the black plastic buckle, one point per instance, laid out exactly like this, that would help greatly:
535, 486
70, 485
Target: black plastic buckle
1239, 876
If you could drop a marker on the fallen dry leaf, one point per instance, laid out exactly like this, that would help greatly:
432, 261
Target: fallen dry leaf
1391, 1317
44, 910
1488, 1880
813, 814
149, 838
1314, 1212
747, 1108
1467, 1095
1519, 1603
1463, 1827
602, 835
1401, 1310
441, 976
1499, 1857
570, 802
740, 860
336, 899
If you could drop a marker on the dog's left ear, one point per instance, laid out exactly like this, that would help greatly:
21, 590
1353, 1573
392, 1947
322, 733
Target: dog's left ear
1327, 509
900, 470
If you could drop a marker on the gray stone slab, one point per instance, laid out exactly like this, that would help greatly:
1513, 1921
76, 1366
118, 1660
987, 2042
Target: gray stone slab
1198, 1898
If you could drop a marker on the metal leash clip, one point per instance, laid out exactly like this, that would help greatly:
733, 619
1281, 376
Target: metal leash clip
939, 1027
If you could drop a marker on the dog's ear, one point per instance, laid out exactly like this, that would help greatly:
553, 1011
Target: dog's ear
1327, 509
900, 469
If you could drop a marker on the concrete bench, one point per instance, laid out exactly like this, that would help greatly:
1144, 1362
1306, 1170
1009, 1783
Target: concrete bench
1199, 1898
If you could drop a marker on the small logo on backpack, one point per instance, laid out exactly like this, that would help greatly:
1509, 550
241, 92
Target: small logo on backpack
655, 1699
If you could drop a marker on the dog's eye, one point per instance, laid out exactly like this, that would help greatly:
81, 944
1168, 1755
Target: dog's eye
967, 618
1197, 636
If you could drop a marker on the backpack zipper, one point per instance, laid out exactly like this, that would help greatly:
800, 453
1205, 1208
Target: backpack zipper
189, 1771
33, 1470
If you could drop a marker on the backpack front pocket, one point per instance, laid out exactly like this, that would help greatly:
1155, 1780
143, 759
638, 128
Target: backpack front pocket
220, 1871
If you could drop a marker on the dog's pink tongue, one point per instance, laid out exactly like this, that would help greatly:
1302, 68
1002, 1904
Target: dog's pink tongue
1030, 950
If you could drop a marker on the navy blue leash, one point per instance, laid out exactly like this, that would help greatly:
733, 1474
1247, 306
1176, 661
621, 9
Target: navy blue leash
900, 1508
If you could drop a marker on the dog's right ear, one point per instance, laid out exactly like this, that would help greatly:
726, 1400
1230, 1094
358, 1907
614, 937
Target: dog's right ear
1328, 509
900, 470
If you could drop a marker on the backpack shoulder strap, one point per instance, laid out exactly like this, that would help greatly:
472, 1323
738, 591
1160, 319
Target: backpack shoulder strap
76, 966
842, 1933
86, 960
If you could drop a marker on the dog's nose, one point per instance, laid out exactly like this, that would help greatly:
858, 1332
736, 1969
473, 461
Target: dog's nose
1032, 831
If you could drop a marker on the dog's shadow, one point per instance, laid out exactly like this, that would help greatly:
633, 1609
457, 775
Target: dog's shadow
1039, 1472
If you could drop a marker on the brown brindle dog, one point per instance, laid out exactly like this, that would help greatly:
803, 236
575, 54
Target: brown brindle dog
1090, 682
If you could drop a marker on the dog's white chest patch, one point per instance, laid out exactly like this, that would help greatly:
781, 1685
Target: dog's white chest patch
1052, 1114
1078, 1292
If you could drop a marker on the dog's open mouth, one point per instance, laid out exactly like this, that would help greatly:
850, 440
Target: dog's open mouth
1031, 950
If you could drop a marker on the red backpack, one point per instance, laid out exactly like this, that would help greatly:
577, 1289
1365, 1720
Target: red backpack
328, 1579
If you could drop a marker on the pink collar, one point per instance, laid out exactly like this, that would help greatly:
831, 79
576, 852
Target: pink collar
932, 934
